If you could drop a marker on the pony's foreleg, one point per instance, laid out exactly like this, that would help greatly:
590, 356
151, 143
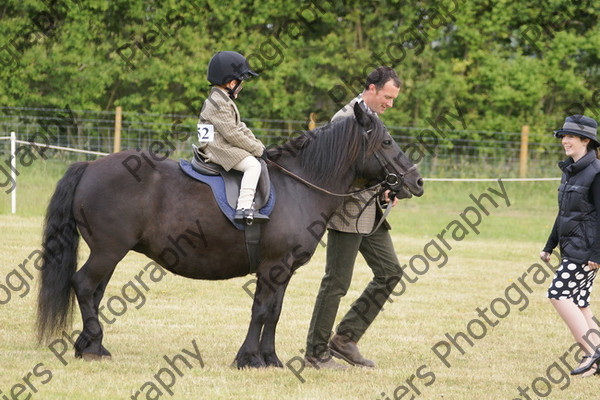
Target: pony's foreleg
267, 340
248, 354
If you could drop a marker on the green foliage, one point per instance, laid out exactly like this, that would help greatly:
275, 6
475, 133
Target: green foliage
505, 63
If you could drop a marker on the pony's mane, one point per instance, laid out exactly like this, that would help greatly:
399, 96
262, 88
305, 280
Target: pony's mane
329, 150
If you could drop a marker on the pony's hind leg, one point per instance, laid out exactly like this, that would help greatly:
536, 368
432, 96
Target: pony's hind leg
98, 294
89, 284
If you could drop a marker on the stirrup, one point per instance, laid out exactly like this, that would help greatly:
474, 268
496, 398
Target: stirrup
249, 217
244, 216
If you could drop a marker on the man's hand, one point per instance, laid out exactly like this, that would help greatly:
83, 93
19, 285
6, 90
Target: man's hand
386, 197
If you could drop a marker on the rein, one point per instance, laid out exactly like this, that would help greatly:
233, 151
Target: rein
320, 189
391, 180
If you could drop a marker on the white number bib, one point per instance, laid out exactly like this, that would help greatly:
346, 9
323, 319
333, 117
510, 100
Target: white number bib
206, 132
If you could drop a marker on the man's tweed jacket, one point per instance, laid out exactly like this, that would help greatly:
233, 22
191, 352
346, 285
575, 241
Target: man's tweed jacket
233, 140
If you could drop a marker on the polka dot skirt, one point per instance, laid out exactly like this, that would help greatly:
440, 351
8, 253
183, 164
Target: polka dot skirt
572, 281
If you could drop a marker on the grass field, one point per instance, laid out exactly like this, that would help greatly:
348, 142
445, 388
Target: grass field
486, 297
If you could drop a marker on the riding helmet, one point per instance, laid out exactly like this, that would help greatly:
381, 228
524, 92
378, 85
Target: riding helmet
226, 66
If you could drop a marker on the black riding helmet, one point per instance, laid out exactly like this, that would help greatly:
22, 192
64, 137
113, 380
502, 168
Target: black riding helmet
226, 66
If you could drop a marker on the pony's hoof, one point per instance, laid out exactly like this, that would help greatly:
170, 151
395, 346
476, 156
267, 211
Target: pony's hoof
250, 361
271, 360
105, 353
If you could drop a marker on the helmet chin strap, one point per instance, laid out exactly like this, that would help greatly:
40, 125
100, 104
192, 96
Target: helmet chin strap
233, 92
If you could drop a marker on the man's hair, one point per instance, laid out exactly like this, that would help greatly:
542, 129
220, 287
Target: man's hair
380, 76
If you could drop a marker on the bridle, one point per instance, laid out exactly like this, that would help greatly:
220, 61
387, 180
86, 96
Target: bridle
393, 181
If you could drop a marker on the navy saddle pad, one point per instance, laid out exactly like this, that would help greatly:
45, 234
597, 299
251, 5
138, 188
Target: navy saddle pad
226, 190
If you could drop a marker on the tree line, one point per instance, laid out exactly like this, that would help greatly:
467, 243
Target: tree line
503, 63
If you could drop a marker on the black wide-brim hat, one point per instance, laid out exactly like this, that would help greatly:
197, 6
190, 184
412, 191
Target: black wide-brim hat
579, 125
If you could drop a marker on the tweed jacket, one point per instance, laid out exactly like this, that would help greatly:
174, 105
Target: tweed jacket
344, 219
233, 140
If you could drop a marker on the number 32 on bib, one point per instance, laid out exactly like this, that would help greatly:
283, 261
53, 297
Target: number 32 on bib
206, 133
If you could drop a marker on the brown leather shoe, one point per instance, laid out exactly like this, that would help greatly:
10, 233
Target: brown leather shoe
323, 363
342, 347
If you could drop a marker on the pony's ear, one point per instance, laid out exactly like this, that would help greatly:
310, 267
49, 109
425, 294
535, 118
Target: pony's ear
361, 116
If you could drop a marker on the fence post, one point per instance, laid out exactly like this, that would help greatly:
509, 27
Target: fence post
312, 121
523, 158
118, 118
13, 168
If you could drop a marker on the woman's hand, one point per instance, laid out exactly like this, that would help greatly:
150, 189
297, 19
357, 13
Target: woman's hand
545, 256
593, 265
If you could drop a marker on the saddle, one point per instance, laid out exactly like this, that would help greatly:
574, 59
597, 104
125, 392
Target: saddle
233, 179
226, 185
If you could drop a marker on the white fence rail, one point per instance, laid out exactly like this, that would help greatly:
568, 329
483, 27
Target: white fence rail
13, 161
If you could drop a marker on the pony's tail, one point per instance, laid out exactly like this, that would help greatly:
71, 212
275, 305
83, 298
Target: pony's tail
59, 247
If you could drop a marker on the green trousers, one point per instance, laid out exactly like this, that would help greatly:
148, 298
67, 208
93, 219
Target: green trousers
342, 249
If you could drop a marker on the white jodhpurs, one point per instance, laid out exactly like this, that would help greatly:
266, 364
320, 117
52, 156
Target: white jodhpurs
250, 166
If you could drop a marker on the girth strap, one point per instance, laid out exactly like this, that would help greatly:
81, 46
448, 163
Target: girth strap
252, 235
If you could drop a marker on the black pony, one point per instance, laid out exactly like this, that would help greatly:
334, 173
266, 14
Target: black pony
116, 212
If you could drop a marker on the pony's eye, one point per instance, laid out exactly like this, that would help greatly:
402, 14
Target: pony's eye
387, 142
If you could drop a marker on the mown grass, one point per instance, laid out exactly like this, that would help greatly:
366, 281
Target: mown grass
519, 349
35, 185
